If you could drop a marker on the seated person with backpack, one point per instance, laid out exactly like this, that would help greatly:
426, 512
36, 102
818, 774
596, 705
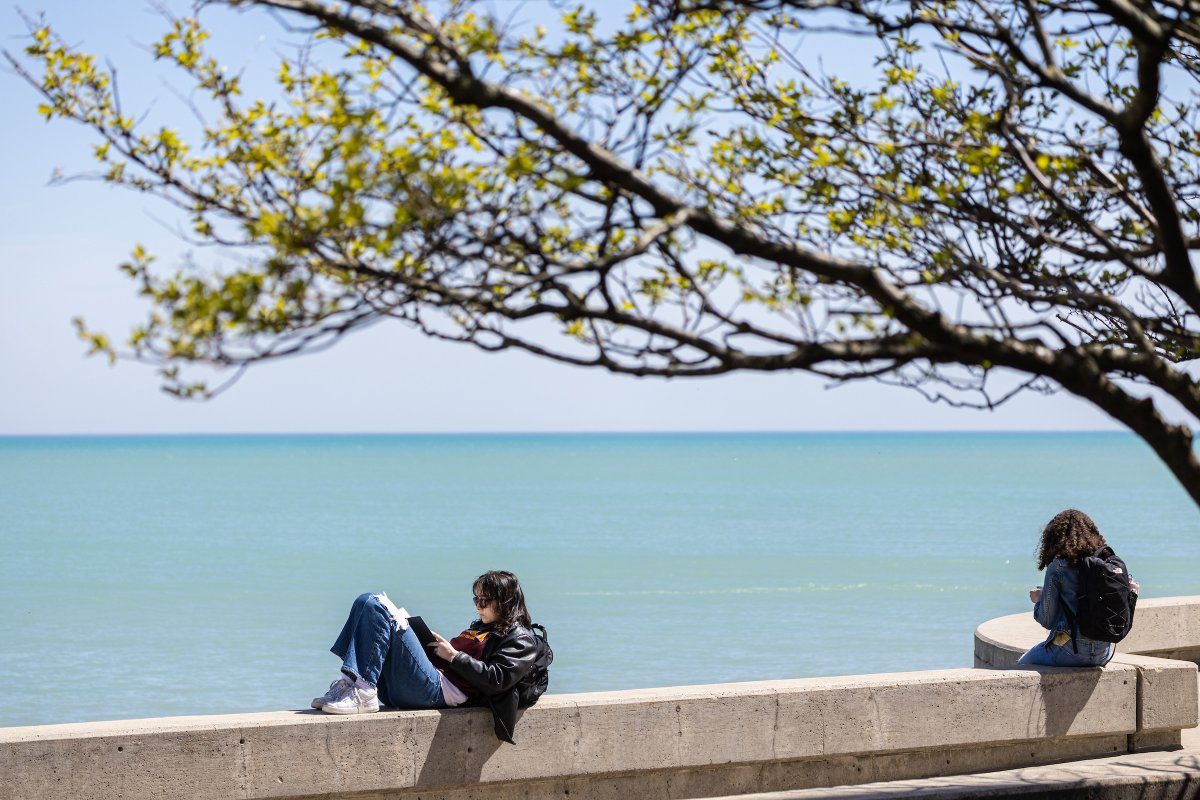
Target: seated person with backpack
1087, 599
499, 661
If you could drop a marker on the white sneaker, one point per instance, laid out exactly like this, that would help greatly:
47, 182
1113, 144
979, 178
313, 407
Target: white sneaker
360, 699
336, 690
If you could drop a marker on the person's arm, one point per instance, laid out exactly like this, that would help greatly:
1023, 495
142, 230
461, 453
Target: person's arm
503, 670
1045, 610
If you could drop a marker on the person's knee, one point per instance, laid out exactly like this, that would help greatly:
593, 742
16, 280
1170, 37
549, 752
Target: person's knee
366, 599
1035, 656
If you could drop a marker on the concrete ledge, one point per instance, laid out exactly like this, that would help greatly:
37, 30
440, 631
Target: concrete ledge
690, 741
1167, 690
699, 740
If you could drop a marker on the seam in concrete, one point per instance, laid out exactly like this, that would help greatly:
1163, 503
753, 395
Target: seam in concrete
1035, 722
775, 729
824, 732
578, 718
1140, 708
677, 745
244, 763
876, 716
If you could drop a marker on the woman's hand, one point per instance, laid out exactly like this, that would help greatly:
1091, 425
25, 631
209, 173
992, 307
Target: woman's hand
442, 649
1035, 594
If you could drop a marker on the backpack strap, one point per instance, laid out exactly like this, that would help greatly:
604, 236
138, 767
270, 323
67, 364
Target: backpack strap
1073, 617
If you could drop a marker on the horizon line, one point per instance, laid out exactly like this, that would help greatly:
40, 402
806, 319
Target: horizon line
672, 432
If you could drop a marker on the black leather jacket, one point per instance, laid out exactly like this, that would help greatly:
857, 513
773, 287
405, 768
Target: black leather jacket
506, 660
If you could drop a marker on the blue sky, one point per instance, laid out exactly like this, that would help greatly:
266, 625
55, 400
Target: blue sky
59, 247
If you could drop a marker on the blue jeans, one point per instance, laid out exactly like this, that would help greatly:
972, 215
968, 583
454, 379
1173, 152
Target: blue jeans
392, 660
1091, 654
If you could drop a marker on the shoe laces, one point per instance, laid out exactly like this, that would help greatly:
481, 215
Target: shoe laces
338, 689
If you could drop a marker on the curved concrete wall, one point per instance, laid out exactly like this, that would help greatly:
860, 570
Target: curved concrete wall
1165, 627
677, 742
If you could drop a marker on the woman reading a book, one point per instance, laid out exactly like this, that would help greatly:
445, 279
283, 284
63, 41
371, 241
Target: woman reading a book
384, 662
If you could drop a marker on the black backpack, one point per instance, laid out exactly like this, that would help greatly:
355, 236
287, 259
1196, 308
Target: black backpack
1105, 601
534, 684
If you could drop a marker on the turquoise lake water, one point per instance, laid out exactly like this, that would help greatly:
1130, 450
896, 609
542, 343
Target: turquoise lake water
151, 576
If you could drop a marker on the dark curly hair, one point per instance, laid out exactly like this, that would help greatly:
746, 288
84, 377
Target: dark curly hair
504, 589
1069, 535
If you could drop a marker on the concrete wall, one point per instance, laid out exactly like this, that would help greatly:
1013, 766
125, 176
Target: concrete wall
1162, 647
676, 742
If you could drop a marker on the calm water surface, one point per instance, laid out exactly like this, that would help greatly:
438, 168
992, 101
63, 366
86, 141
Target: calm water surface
148, 576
